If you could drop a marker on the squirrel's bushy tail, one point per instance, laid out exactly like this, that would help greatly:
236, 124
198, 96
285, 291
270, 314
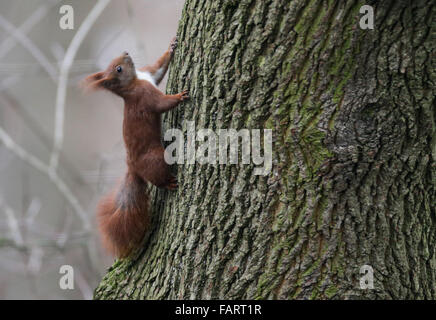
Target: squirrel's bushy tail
123, 216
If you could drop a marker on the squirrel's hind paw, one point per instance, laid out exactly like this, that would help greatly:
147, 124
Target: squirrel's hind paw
172, 185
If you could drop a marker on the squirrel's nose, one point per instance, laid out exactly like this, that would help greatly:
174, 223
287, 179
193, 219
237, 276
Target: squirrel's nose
126, 53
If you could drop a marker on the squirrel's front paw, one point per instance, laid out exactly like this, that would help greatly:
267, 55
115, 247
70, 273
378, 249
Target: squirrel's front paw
173, 44
184, 95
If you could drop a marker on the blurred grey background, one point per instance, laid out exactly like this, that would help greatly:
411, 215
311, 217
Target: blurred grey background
58, 156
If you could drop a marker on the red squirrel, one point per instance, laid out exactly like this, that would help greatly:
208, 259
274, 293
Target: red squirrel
123, 215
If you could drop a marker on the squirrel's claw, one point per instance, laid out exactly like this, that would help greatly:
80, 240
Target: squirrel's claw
184, 95
173, 44
172, 185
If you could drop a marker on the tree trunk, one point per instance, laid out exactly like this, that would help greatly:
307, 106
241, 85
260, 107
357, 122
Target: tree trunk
353, 175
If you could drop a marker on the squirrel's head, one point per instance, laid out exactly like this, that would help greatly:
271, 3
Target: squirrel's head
118, 77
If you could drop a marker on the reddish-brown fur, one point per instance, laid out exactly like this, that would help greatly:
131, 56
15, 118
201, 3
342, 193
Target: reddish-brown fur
123, 215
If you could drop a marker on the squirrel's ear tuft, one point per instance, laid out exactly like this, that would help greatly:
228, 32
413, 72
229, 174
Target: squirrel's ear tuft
93, 82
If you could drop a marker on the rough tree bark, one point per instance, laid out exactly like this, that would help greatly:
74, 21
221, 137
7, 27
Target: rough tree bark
353, 178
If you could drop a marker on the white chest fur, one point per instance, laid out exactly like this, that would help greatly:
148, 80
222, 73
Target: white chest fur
145, 76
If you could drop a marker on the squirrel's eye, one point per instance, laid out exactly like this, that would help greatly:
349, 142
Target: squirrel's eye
119, 69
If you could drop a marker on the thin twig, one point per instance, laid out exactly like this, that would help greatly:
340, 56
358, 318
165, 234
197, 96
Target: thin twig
9, 82
83, 285
12, 223
63, 79
36, 129
30, 46
56, 180
42, 10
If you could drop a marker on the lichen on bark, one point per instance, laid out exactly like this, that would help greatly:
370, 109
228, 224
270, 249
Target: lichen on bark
353, 179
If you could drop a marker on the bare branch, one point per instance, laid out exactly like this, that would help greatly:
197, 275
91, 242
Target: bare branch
84, 287
32, 211
53, 176
30, 46
37, 130
9, 82
35, 260
13, 224
63, 78
36, 16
